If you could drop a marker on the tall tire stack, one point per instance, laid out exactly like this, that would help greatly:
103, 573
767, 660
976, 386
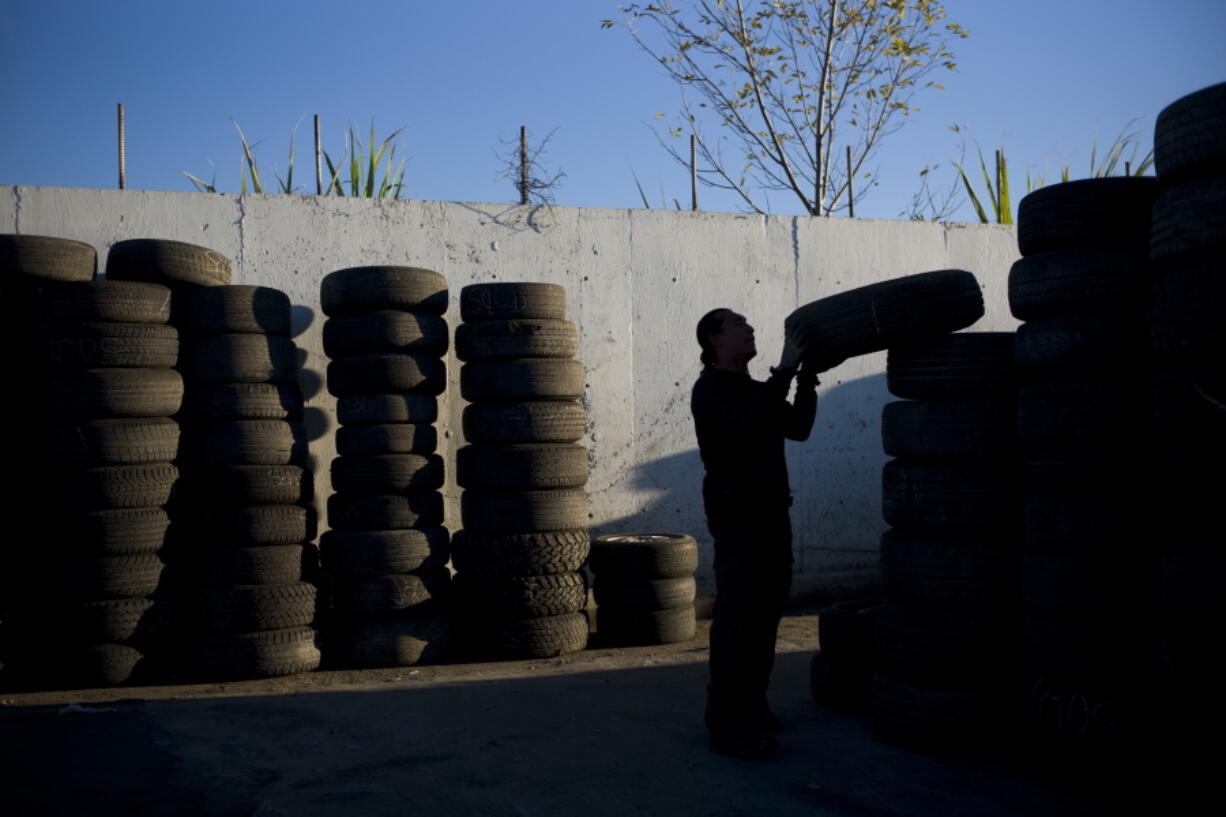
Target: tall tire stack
247, 559
386, 553
1084, 422
30, 267
519, 592
1187, 245
113, 391
644, 588
947, 638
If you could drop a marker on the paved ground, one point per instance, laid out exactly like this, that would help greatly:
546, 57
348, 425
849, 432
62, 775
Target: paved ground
603, 732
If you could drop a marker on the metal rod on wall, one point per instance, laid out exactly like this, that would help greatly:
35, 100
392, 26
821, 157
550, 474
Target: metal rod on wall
319, 170
523, 164
851, 202
693, 175
123, 161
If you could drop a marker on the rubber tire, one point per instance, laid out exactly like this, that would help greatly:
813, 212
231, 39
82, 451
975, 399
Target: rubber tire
102, 665
1081, 346
371, 409
847, 632
387, 438
403, 642
947, 569
544, 637
933, 718
238, 358
919, 495
1049, 284
1186, 312
514, 511
114, 577
1190, 136
644, 556
119, 531
253, 608
116, 393
520, 554
266, 654
888, 313
544, 421
45, 258
949, 429
1080, 415
254, 484
374, 374
243, 401
235, 308
348, 554
249, 442
634, 628
837, 687
520, 379
387, 473
161, 261
1081, 583
1190, 222
518, 597
486, 340
366, 289
1109, 212
401, 593
109, 621
116, 442
100, 487
940, 645
386, 330
109, 302
269, 564
640, 595
962, 366
521, 466
250, 525
511, 301
385, 512
113, 345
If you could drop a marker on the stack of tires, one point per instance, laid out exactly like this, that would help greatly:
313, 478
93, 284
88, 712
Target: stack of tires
644, 588
1189, 338
519, 592
386, 553
113, 390
1084, 422
947, 634
841, 671
246, 552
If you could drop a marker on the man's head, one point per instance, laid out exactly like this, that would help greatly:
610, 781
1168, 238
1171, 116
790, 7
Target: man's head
726, 338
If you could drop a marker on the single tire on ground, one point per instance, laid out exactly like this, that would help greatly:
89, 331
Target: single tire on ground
544, 637
261, 654
402, 642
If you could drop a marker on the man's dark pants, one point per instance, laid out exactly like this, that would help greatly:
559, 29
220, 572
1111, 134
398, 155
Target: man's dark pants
753, 575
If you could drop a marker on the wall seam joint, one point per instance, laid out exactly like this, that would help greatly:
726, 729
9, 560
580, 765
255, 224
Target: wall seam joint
796, 260
17, 209
242, 239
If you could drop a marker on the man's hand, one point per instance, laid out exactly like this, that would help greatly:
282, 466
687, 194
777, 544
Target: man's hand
793, 349
818, 360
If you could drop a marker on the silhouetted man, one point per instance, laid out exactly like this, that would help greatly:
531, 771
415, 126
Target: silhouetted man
741, 424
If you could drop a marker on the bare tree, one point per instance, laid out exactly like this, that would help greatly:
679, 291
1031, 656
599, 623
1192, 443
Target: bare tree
524, 165
791, 84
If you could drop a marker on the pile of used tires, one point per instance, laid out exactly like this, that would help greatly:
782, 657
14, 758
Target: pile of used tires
387, 550
947, 638
246, 555
1187, 243
519, 592
644, 588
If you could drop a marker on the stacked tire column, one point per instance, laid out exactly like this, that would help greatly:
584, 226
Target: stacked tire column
1189, 338
519, 592
947, 634
1084, 422
387, 550
644, 588
249, 521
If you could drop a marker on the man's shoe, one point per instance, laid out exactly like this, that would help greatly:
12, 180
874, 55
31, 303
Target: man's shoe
743, 744
769, 722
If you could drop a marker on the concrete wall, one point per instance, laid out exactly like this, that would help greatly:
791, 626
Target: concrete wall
636, 280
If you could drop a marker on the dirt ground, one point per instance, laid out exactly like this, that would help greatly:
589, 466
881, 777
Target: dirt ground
604, 731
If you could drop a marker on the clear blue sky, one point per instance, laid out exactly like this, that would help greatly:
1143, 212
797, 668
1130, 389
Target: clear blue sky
1043, 78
